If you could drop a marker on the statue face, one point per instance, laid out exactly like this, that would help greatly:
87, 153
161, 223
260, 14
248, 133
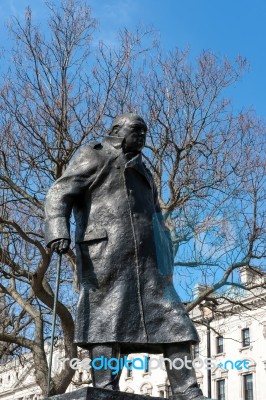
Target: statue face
134, 133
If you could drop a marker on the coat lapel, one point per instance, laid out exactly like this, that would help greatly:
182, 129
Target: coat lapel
137, 164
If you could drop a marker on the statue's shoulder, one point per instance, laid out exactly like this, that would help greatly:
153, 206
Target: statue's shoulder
85, 156
96, 145
87, 150
90, 147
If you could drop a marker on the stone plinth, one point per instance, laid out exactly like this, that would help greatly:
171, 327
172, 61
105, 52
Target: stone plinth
90, 393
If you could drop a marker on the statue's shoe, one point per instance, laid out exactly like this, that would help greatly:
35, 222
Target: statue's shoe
186, 397
192, 394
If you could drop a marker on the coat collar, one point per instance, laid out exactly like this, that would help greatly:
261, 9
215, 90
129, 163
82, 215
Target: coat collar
114, 145
114, 141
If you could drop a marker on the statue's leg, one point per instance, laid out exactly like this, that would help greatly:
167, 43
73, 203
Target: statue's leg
183, 381
104, 378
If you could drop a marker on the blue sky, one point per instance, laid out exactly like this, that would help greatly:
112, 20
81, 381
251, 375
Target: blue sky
226, 27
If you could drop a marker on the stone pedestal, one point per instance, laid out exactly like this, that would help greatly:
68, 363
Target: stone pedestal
90, 393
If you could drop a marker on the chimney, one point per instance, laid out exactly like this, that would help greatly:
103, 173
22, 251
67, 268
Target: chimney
251, 275
198, 290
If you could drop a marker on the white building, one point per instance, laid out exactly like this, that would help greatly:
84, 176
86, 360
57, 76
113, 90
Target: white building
237, 345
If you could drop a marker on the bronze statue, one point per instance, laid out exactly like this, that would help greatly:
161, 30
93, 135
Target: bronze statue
127, 302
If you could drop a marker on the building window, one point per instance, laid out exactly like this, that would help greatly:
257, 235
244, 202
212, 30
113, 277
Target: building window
147, 365
245, 337
248, 387
80, 377
220, 344
146, 389
195, 351
164, 391
221, 389
129, 369
168, 391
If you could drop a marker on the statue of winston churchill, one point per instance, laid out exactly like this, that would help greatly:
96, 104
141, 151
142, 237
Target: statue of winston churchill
127, 302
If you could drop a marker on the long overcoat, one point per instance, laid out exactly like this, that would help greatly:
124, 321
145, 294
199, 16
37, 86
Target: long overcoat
124, 256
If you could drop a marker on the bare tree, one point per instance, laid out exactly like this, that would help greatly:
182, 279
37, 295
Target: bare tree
209, 168
61, 92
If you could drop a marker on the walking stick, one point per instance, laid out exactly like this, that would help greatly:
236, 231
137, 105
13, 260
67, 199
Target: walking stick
59, 261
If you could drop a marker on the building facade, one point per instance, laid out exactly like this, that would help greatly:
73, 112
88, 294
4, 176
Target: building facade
234, 335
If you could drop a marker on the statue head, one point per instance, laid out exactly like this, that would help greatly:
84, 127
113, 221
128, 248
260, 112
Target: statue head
132, 128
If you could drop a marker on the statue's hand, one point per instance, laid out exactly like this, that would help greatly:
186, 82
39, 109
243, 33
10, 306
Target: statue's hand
60, 246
